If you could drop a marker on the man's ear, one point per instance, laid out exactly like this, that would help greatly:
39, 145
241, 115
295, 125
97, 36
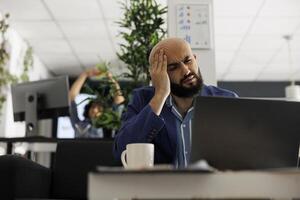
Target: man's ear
195, 56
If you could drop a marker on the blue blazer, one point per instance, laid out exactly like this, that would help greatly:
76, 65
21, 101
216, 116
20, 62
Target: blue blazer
141, 125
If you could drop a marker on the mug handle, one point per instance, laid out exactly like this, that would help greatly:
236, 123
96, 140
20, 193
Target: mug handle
123, 155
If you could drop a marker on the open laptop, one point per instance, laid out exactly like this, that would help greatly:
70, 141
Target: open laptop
233, 133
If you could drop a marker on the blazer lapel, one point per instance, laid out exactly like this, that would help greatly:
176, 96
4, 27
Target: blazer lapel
170, 128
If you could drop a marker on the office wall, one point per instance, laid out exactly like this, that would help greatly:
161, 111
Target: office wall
205, 57
17, 49
259, 89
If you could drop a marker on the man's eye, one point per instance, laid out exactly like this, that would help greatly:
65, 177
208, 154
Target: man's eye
172, 67
188, 61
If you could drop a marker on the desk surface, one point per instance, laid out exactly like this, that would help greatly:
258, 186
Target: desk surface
194, 184
44, 140
48, 140
163, 169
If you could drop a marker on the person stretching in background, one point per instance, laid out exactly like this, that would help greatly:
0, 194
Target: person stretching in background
84, 128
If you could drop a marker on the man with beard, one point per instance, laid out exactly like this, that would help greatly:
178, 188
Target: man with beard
162, 114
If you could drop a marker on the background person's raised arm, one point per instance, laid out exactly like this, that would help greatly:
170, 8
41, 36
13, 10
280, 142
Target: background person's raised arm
79, 82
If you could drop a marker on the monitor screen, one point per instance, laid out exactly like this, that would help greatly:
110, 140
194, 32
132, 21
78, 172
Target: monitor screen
41, 99
64, 127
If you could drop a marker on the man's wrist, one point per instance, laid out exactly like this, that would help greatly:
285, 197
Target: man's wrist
157, 103
159, 96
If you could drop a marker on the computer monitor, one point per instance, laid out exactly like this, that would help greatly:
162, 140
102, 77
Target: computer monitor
63, 128
40, 100
233, 133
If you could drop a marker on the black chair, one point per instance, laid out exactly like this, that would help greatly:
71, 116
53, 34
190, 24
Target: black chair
74, 159
21, 178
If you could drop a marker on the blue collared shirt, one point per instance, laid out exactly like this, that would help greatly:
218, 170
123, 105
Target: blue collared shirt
184, 134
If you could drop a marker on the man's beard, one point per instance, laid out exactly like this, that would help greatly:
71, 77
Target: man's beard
180, 91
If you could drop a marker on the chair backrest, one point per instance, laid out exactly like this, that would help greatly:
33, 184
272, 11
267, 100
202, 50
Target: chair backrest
73, 160
23, 178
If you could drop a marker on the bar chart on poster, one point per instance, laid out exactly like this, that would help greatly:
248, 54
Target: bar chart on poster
193, 24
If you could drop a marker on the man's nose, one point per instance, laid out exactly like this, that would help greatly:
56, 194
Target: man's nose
184, 68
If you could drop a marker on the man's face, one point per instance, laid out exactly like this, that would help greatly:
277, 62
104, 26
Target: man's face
95, 111
185, 78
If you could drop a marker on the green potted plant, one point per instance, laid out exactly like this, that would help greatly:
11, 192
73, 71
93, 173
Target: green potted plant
6, 78
104, 92
143, 23
27, 64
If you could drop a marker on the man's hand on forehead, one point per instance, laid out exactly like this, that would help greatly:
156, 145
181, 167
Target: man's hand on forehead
158, 68
160, 80
158, 60
156, 52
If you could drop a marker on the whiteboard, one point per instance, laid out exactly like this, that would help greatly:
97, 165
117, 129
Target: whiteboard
192, 24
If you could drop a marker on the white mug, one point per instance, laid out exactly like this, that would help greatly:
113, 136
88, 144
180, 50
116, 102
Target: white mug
138, 156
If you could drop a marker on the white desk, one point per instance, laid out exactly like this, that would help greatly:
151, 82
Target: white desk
108, 184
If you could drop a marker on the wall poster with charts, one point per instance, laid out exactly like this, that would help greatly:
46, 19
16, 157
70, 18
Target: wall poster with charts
193, 25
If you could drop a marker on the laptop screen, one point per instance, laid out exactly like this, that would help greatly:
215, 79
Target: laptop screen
234, 133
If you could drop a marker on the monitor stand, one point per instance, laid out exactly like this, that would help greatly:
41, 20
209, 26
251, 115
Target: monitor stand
31, 102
